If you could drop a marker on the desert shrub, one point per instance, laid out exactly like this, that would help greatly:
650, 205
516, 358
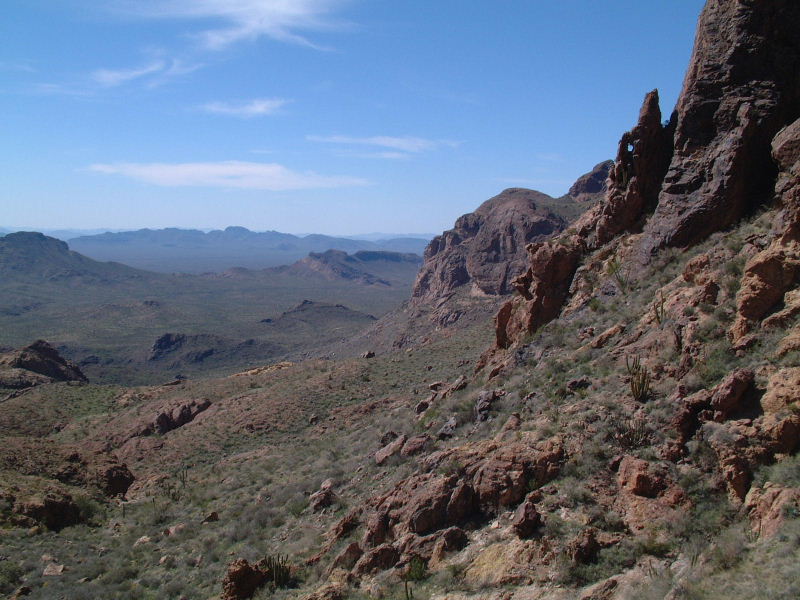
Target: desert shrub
417, 569
728, 548
609, 561
785, 472
10, 575
90, 511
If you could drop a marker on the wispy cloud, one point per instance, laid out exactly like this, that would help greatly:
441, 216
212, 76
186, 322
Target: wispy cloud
16, 66
258, 107
154, 73
400, 147
115, 77
282, 20
227, 174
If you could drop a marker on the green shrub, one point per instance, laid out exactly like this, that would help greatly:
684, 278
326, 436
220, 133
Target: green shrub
10, 575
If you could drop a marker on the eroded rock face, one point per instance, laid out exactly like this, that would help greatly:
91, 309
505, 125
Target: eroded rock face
635, 179
242, 580
768, 506
542, 289
423, 514
487, 247
740, 89
54, 509
770, 275
699, 173
592, 185
169, 418
35, 364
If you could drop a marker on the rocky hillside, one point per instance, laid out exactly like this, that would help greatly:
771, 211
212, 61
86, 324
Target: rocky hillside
715, 161
629, 431
486, 249
31, 257
34, 365
358, 267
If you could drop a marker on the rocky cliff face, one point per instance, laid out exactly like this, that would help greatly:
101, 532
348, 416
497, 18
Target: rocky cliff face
741, 88
700, 172
487, 248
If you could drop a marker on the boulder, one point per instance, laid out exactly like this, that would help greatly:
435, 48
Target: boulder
379, 558
768, 506
55, 510
242, 580
636, 476
415, 444
323, 497
728, 395
389, 450
526, 520
783, 390
448, 429
348, 557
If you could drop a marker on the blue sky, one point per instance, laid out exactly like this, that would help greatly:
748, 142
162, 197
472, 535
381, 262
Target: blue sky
332, 116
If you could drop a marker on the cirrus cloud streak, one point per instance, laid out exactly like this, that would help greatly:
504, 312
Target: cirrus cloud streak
227, 174
254, 108
281, 20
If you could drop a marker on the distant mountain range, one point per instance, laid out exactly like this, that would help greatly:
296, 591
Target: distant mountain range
120, 323
176, 250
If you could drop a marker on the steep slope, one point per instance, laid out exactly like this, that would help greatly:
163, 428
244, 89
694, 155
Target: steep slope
699, 173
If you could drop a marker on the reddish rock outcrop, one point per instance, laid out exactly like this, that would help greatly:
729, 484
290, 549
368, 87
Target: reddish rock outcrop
526, 520
36, 364
591, 186
242, 580
169, 418
415, 444
783, 389
487, 247
422, 514
323, 497
700, 173
636, 476
542, 289
740, 89
771, 273
768, 506
54, 509
390, 449
635, 179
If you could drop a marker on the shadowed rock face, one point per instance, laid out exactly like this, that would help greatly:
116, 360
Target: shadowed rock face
592, 185
699, 173
34, 364
486, 247
740, 89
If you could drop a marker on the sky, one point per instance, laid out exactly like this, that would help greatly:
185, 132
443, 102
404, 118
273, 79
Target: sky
328, 116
